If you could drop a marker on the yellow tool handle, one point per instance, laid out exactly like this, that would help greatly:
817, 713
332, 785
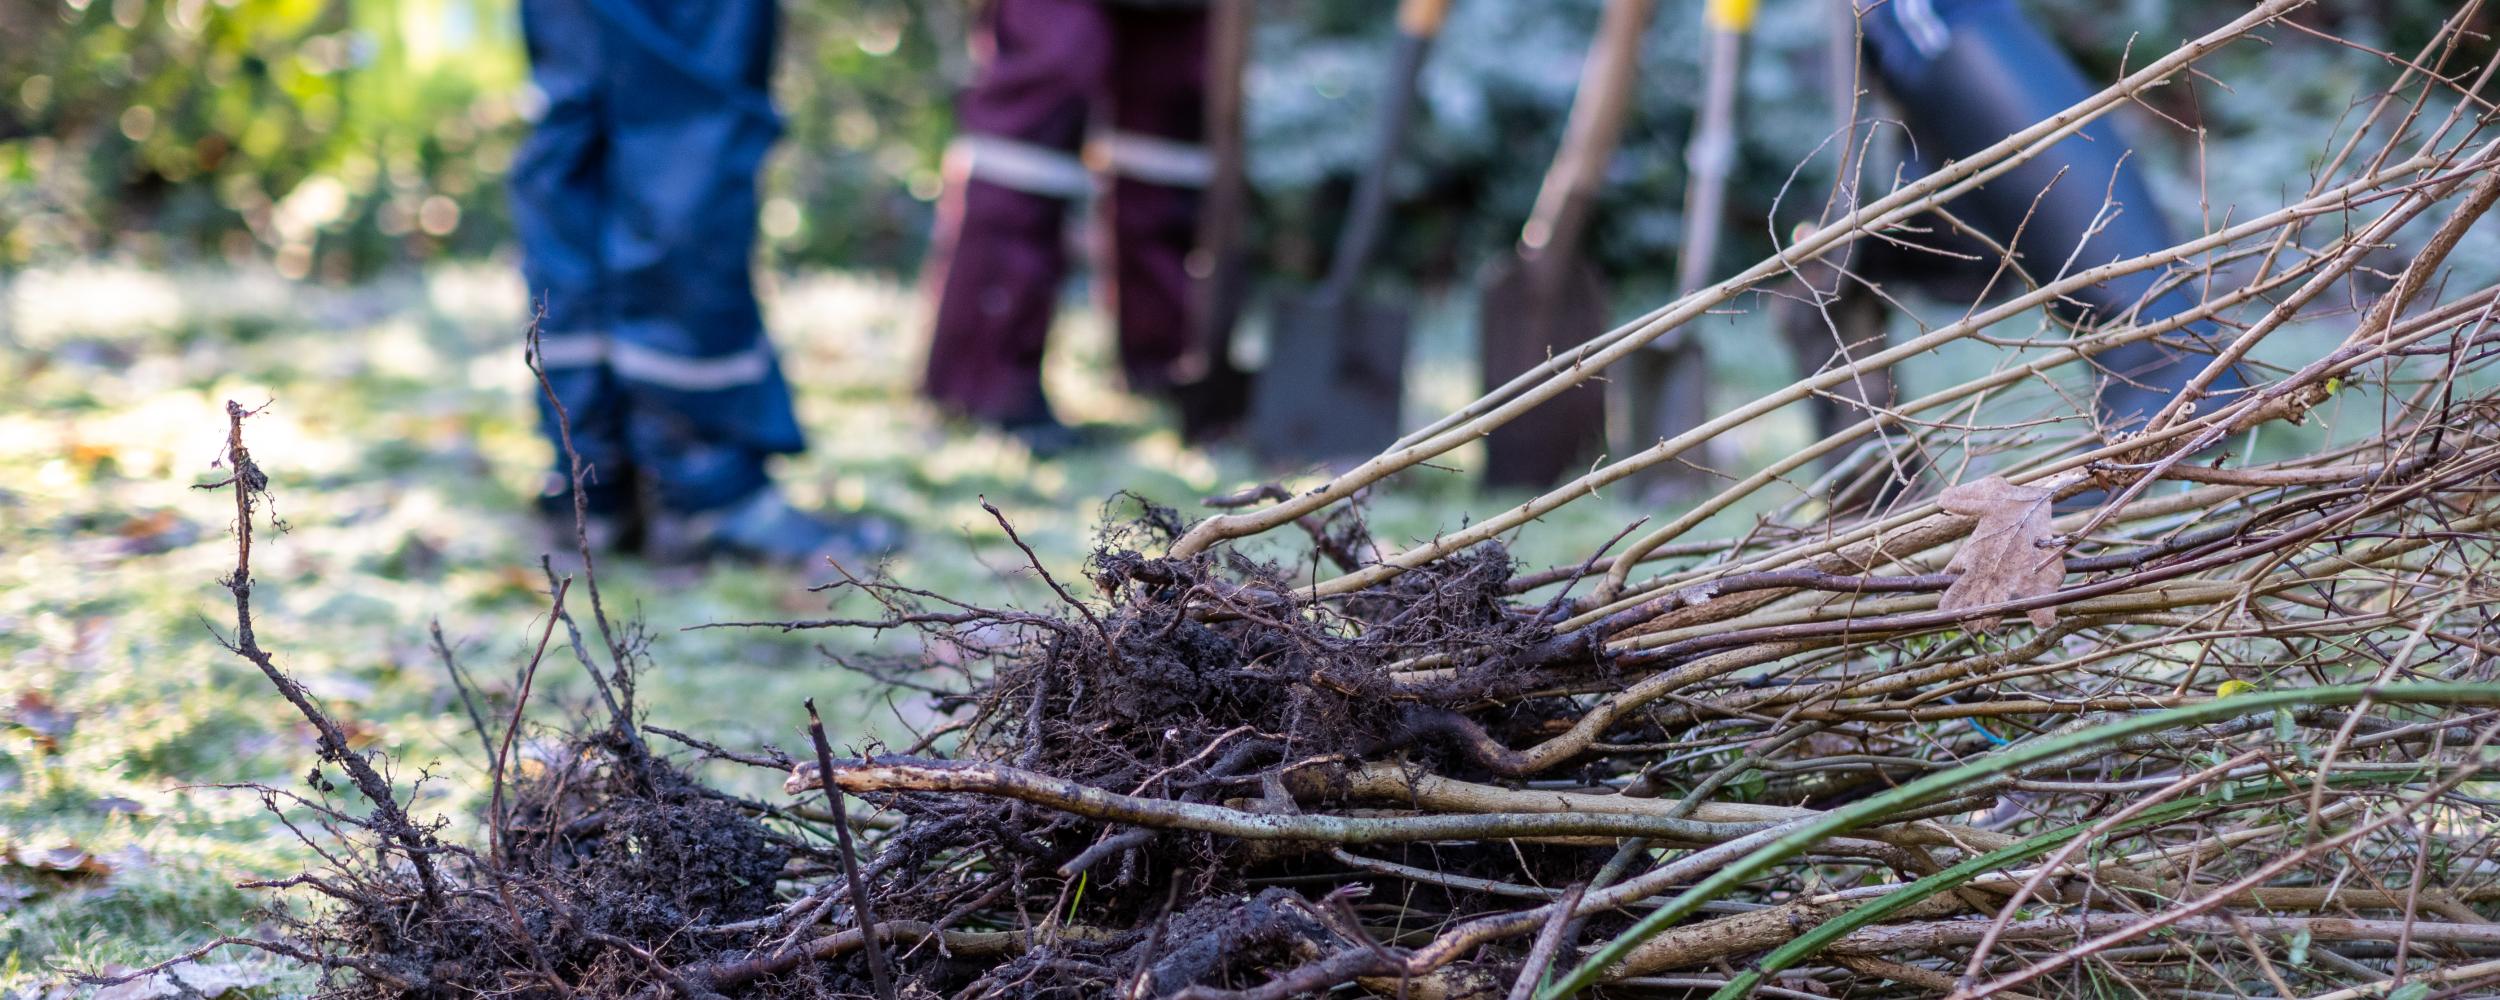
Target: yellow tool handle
1730, 15
1422, 18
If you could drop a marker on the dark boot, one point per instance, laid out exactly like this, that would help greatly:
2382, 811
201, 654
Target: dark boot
764, 528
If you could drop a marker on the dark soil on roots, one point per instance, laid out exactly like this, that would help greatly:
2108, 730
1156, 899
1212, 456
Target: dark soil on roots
612, 872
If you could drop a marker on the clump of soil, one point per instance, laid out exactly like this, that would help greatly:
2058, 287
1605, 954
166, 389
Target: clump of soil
611, 872
599, 869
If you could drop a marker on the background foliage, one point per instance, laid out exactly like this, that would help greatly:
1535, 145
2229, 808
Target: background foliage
340, 138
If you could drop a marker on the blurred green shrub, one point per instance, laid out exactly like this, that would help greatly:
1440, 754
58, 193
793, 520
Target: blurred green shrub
330, 137
338, 138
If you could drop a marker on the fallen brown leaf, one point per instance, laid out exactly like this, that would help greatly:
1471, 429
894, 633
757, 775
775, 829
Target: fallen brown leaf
153, 533
35, 712
2003, 560
66, 858
88, 455
71, 861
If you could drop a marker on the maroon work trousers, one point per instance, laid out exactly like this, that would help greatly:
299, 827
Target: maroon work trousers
1047, 69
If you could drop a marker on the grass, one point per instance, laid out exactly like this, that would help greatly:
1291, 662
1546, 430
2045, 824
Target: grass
401, 446
402, 453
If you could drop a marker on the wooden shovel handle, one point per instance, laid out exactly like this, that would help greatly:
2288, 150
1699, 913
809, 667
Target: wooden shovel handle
1422, 18
1597, 114
1215, 292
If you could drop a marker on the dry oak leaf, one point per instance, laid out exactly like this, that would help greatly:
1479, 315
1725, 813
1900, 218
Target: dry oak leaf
2003, 560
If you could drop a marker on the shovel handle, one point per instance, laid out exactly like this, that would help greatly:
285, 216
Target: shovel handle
1417, 21
1215, 293
1595, 127
1711, 152
1422, 18
1730, 15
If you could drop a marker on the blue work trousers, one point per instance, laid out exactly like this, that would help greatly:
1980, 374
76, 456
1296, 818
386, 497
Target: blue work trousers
635, 203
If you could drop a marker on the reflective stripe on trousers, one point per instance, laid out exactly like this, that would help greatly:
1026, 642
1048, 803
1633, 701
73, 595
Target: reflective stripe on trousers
635, 363
1051, 70
634, 199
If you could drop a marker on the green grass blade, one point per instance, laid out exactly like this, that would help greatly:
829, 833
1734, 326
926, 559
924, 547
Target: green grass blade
1944, 783
1804, 946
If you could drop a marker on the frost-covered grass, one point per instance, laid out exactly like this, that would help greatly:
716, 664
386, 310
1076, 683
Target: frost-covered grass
399, 440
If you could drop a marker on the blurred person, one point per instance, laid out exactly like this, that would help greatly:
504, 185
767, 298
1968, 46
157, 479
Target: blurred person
1968, 73
1044, 71
635, 202
1963, 75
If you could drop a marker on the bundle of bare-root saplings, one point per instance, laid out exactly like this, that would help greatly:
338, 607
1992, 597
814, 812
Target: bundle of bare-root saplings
2198, 710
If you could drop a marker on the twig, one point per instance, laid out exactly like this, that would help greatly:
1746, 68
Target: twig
1549, 942
850, 858
1111, 650
250, 484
